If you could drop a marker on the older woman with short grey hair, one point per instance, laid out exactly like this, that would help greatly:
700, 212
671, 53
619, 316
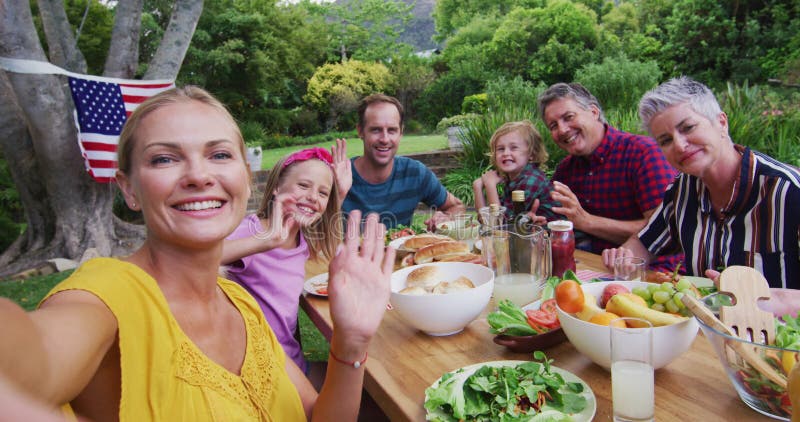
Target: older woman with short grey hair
729, 206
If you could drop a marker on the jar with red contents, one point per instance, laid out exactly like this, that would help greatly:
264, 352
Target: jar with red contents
562, 246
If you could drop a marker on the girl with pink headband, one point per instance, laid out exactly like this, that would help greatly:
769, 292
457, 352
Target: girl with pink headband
297, 219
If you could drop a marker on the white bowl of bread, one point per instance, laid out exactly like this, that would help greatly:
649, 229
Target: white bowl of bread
441, 298
428, 247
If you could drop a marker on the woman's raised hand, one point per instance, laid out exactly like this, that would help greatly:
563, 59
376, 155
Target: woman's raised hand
359, 286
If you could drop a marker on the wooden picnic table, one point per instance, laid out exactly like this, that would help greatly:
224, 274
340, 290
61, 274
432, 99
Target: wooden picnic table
403, 362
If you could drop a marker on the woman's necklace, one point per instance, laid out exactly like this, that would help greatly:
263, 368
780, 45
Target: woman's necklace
727, 207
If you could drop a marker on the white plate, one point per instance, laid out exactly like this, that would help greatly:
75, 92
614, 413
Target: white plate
591, 404
397, 243
313, 284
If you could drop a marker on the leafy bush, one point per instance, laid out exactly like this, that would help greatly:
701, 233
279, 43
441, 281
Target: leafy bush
503, 93
474, 104
9, 231
457, 120
444, 96
764, 122
305, 122
253, 133
617, 82
413, 126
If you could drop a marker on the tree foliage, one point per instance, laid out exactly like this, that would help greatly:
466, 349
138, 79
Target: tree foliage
730, 40
365, 30
336, 88
619, 83
547, 44
253, 55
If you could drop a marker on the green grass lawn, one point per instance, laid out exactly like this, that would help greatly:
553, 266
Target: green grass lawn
409, 144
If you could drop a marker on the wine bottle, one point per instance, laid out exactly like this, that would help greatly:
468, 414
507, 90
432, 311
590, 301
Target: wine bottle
520, 244
522, 223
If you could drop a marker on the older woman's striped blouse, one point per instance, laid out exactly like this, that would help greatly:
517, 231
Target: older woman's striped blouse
760, 230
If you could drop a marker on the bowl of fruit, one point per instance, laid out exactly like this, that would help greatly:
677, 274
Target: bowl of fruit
758, 387
586, 310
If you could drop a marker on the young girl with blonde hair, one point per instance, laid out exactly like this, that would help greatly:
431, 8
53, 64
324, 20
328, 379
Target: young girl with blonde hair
297, 220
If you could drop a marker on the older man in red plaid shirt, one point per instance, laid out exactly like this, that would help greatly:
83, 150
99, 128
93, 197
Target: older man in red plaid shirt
611, 181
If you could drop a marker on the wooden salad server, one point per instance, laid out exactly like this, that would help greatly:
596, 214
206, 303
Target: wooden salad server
748, 321
748, 354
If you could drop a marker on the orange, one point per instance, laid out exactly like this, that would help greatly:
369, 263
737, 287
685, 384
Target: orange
569, 296
605, 318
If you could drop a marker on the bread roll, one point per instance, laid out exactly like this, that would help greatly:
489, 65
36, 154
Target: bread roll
460, 284
407, 261
415, 290
414, 243
440, 250
425, 277
463, 282
468, 257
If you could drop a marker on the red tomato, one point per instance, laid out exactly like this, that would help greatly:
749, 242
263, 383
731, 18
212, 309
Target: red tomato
536, 327
542, 318
549, 305
569, 296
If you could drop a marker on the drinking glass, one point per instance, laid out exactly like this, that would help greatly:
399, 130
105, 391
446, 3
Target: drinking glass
629, 268
632, 380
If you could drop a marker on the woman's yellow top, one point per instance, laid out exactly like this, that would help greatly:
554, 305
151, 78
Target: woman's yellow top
165, 377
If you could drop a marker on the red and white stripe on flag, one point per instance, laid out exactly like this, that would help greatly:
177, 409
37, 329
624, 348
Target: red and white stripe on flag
101, 109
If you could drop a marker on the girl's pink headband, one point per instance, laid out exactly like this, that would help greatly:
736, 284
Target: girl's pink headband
318, 153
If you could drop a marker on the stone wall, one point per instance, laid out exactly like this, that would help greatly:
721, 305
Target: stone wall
438, 161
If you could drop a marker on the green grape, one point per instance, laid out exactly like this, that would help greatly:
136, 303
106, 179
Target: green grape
671, 306
683, 284
658, 307
667, 287
661, 296
677, 299
652, 288
690, 292
642, 292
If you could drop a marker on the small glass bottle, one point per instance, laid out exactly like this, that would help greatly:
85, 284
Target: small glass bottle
495, 218
562, 246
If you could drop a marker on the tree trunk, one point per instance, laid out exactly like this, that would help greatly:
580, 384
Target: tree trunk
168, 58
60, 40
124, 49
66, 210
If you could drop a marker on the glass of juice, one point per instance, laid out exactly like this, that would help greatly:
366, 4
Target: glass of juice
521, 262
632, 380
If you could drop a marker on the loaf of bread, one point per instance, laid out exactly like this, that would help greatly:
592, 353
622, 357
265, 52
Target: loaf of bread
415, 243
441, 250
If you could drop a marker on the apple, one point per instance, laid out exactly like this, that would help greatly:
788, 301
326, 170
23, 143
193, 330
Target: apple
611, 290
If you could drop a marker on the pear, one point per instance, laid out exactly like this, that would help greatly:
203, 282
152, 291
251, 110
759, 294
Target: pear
590, 307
